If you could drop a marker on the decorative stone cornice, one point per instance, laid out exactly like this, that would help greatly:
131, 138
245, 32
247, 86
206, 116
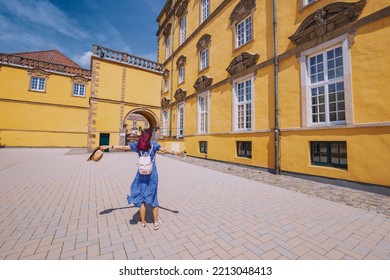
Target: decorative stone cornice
182, 9
204, 42
36, 72
243, 9
165, 103
166, 74
10, 59
203, 83
181, 61
79, 80
326, 20
167, 30
180, 95
242, 62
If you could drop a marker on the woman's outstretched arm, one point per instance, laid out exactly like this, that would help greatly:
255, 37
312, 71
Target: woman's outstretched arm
166, 151
115, 147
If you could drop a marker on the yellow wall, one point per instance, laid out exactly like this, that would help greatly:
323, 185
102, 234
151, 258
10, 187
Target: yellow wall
368, 153
374, 86
121, 89
53, 118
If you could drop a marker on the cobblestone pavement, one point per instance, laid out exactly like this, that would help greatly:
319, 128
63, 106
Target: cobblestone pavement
355, 198
55, 205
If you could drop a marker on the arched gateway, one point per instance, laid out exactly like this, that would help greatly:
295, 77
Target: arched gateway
121, 85
139, 118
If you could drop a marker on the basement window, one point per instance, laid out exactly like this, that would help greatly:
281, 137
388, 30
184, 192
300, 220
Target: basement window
203, 147
332, 154
244, 149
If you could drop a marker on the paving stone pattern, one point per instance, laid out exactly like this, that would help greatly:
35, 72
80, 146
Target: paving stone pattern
56, 205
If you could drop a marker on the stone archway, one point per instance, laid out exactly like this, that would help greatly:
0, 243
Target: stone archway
150, 116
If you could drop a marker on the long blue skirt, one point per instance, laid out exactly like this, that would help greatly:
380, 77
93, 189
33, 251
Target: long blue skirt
144, 189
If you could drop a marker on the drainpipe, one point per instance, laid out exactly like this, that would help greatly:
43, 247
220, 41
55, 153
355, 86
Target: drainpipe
172, 64
276, 86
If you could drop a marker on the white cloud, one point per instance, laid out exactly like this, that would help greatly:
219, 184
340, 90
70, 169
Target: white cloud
84, 59
44, 13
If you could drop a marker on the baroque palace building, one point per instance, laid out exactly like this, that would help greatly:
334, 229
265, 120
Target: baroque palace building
291, 86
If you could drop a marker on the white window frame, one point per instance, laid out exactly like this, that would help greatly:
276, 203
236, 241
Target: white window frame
307, 2
306, 84
204, 57
79, 90
165, 123
181, 75
204, 10
39, 85
245, 31
167, 47
236, 103
183, 30
180, 120
204, 113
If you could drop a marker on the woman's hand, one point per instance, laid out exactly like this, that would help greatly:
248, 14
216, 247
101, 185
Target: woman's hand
102, 148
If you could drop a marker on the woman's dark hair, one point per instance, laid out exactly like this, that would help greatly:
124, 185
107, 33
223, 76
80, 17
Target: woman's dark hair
144, 140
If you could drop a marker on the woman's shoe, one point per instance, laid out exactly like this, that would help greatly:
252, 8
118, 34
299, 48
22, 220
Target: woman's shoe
141, 225
156, 225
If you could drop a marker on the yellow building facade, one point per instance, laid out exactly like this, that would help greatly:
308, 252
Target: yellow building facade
290, 86
122, 85
44, 100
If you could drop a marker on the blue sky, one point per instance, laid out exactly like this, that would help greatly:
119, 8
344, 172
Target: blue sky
73, 26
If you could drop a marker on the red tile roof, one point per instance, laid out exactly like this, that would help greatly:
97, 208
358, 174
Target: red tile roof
51, 56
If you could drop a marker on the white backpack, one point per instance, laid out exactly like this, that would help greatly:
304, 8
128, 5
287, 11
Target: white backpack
145, 163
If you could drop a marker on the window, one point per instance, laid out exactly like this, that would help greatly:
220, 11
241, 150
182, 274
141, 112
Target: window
167, 46
204, 59
180, 121
332, 154
204, 10
165, 123
181, 74
203, 113
307, 2
243, 105
78, 90
37, 84
326, 75
166, 85
244, 149
244, 31
203, 147
183, 23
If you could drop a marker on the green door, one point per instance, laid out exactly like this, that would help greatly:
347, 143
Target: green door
104, 140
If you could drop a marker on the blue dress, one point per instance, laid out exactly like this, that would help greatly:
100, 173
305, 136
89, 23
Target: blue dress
144, 187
